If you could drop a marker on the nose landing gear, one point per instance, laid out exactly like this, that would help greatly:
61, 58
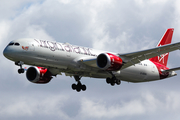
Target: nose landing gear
20, 63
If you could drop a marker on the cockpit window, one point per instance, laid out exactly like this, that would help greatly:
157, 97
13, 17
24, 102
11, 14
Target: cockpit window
17, 44
11, 44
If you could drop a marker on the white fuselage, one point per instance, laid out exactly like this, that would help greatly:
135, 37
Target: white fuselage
64, 57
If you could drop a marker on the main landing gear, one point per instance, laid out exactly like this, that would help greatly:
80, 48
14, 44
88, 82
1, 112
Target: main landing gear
20, 63
78, 87
113, 80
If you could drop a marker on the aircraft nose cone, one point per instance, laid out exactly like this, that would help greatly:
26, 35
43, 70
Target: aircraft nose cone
6, 52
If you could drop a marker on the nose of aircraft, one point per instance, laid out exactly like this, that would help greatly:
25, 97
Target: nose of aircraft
12, 51
9, 52
6, 52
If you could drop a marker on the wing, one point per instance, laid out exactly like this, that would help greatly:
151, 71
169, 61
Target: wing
130, 59
133, 58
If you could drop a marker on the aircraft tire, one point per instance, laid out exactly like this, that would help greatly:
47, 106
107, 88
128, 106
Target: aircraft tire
83, 87
112, 83
20, 71
78, 89
74, 86
118, 82
108, 80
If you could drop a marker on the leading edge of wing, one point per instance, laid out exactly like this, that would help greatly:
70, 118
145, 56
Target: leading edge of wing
136, 57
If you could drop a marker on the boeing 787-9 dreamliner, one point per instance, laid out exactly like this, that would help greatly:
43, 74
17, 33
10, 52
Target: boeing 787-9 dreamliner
49, 58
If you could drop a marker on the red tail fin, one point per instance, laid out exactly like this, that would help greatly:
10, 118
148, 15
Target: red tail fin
166, 39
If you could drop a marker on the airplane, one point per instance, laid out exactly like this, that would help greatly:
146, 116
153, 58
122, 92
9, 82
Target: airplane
50, 58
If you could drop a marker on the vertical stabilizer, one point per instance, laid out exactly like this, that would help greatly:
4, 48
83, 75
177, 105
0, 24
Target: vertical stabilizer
166, 39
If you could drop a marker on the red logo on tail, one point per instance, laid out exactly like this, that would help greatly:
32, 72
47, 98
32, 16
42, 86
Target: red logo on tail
166, 39
162, 58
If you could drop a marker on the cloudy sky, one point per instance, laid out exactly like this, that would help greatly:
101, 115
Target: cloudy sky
113, 25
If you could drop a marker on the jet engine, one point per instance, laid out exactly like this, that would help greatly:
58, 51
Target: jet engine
110, 62
38, 75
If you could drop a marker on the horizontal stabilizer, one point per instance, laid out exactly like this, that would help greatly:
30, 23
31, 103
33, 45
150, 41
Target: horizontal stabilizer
172, 69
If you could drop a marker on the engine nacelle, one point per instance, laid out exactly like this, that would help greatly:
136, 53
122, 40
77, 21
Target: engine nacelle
110, 62
38, 75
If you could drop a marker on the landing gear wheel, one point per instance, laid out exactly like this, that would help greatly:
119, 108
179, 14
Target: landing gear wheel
20, 63
20, 71
118, 82
113, 80
78, 87
83, 87
108, 80
112, 83
74, 86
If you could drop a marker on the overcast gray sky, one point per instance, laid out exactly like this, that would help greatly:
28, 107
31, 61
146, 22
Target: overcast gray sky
112, 25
